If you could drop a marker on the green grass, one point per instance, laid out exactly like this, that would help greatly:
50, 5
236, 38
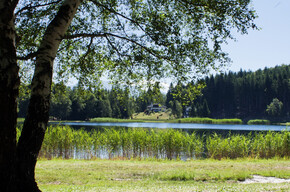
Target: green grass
138, 117
259, 122
158, 116
287, 124
199, 175
113, 120
206, 120
164, 117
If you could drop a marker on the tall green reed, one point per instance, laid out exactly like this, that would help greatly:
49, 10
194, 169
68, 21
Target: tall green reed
271, 144
193, 145
65, 142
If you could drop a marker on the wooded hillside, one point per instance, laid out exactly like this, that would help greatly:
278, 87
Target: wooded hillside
247, 95
243, 94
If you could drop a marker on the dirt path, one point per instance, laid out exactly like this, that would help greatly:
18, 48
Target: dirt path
262, 179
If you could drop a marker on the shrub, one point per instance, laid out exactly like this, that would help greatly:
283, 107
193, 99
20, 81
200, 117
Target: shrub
259, 122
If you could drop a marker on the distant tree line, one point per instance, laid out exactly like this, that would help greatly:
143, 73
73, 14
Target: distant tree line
249, 94
244, 94
81, 104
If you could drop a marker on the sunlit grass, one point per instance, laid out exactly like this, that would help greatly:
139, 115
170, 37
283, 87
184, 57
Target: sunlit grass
206, 120
158, 116
287, 124
259, 122
163, 175
112, 120
164, 117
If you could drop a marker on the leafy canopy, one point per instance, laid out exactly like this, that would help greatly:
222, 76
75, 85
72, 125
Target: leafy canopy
135, 40
275, 107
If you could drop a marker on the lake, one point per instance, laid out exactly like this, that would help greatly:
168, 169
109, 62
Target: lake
192, 126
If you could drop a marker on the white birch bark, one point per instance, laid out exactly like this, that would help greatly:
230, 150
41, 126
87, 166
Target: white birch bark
38, 111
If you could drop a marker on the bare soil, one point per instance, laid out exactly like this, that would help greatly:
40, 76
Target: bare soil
262, 179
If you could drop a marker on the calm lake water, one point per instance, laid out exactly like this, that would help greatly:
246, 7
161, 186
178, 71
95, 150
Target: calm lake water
192, 126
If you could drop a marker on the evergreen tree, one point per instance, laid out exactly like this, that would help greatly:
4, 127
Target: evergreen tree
60, 106
205, 112
91, 108
169, 96
78, 104
177, 109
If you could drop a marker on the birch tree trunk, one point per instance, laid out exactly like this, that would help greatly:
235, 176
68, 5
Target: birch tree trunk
17, 163
36, 120
9, 85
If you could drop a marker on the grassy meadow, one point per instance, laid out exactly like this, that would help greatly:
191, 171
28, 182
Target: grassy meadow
162, 175
153, 116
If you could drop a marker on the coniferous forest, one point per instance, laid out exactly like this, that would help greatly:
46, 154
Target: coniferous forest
248, 95
263, 94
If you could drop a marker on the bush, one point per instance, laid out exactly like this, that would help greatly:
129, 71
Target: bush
259, 122
206, 120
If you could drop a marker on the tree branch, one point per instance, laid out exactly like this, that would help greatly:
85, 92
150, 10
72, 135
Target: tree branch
62, 48
27, 57
117, 13
88, 51
84, 35
14, 3
35, 6
138, 24
116, 49
94, 35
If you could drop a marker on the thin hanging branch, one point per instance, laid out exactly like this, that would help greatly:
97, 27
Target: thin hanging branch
94, 35
117, 13
36, 6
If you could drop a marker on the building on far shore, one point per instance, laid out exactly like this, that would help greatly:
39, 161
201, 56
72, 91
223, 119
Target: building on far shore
156, 107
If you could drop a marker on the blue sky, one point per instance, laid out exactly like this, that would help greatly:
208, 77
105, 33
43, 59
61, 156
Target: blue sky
265, 48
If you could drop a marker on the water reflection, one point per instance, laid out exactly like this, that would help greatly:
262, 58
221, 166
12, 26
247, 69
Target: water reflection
177, 126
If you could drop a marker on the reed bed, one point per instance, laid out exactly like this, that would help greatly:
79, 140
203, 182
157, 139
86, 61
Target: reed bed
287, 124
206, 120
109, 143
113, 120
259, 122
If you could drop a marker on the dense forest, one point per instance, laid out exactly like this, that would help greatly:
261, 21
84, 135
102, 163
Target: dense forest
244, 94
79, 104
248, 95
